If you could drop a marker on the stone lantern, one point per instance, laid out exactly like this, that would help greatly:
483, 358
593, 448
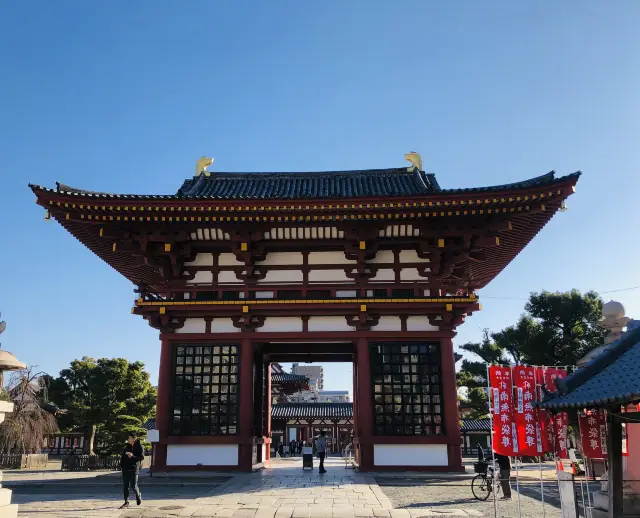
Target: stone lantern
8, 362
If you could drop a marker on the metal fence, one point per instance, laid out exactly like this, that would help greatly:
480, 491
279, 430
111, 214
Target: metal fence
95, 462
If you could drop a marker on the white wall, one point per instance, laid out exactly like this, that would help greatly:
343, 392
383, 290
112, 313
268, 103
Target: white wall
283, 276
383, 256
192, 325
223, 325
202, 278
410, 274
329, 324
201, 260
419, 323
282, 258
410, 455
281, 324
388, 323
328, 276
385, 275
228, 277
204, 454
228, 260
329, 258
411, 256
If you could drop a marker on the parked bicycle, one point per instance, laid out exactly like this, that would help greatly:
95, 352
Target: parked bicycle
485, 481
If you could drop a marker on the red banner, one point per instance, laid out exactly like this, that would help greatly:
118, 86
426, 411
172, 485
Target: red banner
526, 418
504, 430
546, 428
550, 376
560, 425
561, 420
593, 434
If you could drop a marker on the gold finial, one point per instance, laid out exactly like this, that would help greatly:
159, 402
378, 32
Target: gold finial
202, 164
415, 159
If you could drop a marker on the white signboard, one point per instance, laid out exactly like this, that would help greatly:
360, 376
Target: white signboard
153, 436
307, 450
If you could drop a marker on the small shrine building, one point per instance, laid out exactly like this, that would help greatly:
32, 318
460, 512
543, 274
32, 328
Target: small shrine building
240, 270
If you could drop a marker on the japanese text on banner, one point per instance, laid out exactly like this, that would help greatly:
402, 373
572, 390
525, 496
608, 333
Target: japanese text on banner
546, 428
591, 435
504, 430
526, 419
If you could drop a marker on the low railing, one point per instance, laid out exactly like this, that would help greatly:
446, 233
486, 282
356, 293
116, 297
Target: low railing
96, 463
23, 461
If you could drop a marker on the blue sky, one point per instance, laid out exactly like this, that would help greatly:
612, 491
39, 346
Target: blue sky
125, 96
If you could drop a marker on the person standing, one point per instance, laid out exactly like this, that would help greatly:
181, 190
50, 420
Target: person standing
505, 475
321, 446
132, 457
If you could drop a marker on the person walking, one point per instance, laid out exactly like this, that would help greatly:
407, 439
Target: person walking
132, 457
321, 446
505, 475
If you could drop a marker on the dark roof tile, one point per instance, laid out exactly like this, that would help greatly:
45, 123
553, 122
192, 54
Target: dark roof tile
312, 411
611, 378
286, 377
475, 425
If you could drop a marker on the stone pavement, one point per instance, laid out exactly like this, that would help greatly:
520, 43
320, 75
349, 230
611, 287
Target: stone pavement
283, 490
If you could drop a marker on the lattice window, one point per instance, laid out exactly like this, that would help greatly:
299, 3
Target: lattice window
407, 389
205, 390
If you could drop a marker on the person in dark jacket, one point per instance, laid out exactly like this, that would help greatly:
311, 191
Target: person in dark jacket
132, 457
505, 474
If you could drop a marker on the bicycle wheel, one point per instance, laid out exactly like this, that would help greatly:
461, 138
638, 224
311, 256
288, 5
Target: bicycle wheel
481, 487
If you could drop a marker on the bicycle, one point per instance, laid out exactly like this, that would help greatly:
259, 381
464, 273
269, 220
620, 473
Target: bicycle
483, 483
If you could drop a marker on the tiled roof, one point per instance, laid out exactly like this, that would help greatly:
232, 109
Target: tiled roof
300, 186
312, 411
475, 425
611, 378
286, 377
312, 185
149, 424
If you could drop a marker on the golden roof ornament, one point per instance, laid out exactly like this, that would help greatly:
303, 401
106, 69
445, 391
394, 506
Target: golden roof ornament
202, 164
415, 159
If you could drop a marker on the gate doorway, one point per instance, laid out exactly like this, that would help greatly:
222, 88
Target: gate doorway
292, 416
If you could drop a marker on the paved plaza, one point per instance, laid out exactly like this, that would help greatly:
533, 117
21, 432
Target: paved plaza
283, 490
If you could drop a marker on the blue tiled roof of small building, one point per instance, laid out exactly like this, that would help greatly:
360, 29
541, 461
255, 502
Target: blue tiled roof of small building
611, 378
286, 377
312, 411
475, 425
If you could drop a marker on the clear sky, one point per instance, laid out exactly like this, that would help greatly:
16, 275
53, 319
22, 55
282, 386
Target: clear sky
125, 96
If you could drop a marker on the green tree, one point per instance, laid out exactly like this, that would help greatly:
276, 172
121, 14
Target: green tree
557, 329
103, 394
473, 374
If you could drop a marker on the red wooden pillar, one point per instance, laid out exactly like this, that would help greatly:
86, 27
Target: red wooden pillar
450, 402
267, 423
365, 406
245, 438
163, 403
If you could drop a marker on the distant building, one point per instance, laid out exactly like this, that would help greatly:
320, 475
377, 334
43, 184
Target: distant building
315, 373
323, 396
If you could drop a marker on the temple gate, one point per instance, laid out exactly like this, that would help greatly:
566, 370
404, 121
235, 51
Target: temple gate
376, 267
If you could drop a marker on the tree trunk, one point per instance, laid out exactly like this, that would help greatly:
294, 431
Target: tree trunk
89, 439
92, 439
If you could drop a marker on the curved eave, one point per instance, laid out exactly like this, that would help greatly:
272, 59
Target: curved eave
508, 204
541, 183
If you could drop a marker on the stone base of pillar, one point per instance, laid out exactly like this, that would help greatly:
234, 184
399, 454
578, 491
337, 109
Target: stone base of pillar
7, 509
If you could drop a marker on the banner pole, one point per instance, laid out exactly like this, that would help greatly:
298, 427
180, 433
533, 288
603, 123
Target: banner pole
538, 395
515, 457
588, 513
493, 453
